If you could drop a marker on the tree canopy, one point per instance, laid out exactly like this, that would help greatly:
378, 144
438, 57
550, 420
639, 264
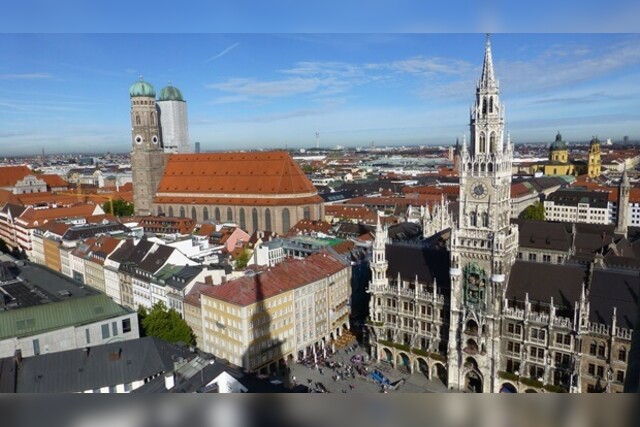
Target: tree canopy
533, 212
120, 208
165, 324
243, 259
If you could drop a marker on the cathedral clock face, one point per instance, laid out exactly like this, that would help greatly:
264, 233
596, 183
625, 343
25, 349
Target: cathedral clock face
479, 190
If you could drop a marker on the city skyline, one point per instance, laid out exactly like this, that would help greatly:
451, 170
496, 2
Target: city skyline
69, 93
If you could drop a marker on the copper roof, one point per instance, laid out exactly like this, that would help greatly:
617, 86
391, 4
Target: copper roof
268, 173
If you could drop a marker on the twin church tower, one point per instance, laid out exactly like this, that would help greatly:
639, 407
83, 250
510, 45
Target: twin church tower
158, 128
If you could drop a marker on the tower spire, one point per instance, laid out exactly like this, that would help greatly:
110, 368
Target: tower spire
487, 80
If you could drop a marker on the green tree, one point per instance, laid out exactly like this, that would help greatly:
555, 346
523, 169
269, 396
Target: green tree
166, 325
533, 212
243, 259
120, 208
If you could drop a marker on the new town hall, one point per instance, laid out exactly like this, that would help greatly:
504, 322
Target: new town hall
489, 305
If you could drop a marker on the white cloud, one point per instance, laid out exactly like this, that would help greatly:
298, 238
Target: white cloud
223, 52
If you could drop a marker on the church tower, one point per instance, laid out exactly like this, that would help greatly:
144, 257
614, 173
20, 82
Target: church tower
483, 245
147, 159
624, 189
594, 164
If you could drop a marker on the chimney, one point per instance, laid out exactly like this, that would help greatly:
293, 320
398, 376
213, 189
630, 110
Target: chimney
208, 280
17, 356
169, 380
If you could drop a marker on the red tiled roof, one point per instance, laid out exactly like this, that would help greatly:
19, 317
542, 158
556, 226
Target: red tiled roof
53, 180
246, 201
9, 175
31, 199
7, 196
310, 225
30, 216
520, 189
285, 276
269, 173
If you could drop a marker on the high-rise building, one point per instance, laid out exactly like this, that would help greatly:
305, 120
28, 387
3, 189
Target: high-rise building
174, 126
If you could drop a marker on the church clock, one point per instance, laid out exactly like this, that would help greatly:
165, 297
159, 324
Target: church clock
479, 190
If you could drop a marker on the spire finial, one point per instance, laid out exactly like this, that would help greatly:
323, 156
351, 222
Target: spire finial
487, 80
141, 77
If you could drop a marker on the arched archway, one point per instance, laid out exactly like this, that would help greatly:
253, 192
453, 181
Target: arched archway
439, 371
471, 327
386, 355
473, 381
422, 366
508, 388
403, 361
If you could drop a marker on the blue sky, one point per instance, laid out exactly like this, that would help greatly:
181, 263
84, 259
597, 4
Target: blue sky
69, 92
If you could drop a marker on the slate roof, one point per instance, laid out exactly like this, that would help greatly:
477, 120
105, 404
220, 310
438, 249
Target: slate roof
542, 281
85, 231
417, 260
544, 235
566, 197
619, 288
8, 373
194, 377
102, 366
564, 282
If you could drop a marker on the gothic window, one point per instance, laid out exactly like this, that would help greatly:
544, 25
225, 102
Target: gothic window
601, 350
182, 212
468, 166
473, 217
217, 214
490, 167
254, 218
492, 142
481, 167
194, 215
485, 219
243, 220
285, 220
170, 211
229, 215
137, 120
205, 214
306, 212
483, 144
153, 119
267, 219
159, 210
491, 104
484, 106
622, 354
